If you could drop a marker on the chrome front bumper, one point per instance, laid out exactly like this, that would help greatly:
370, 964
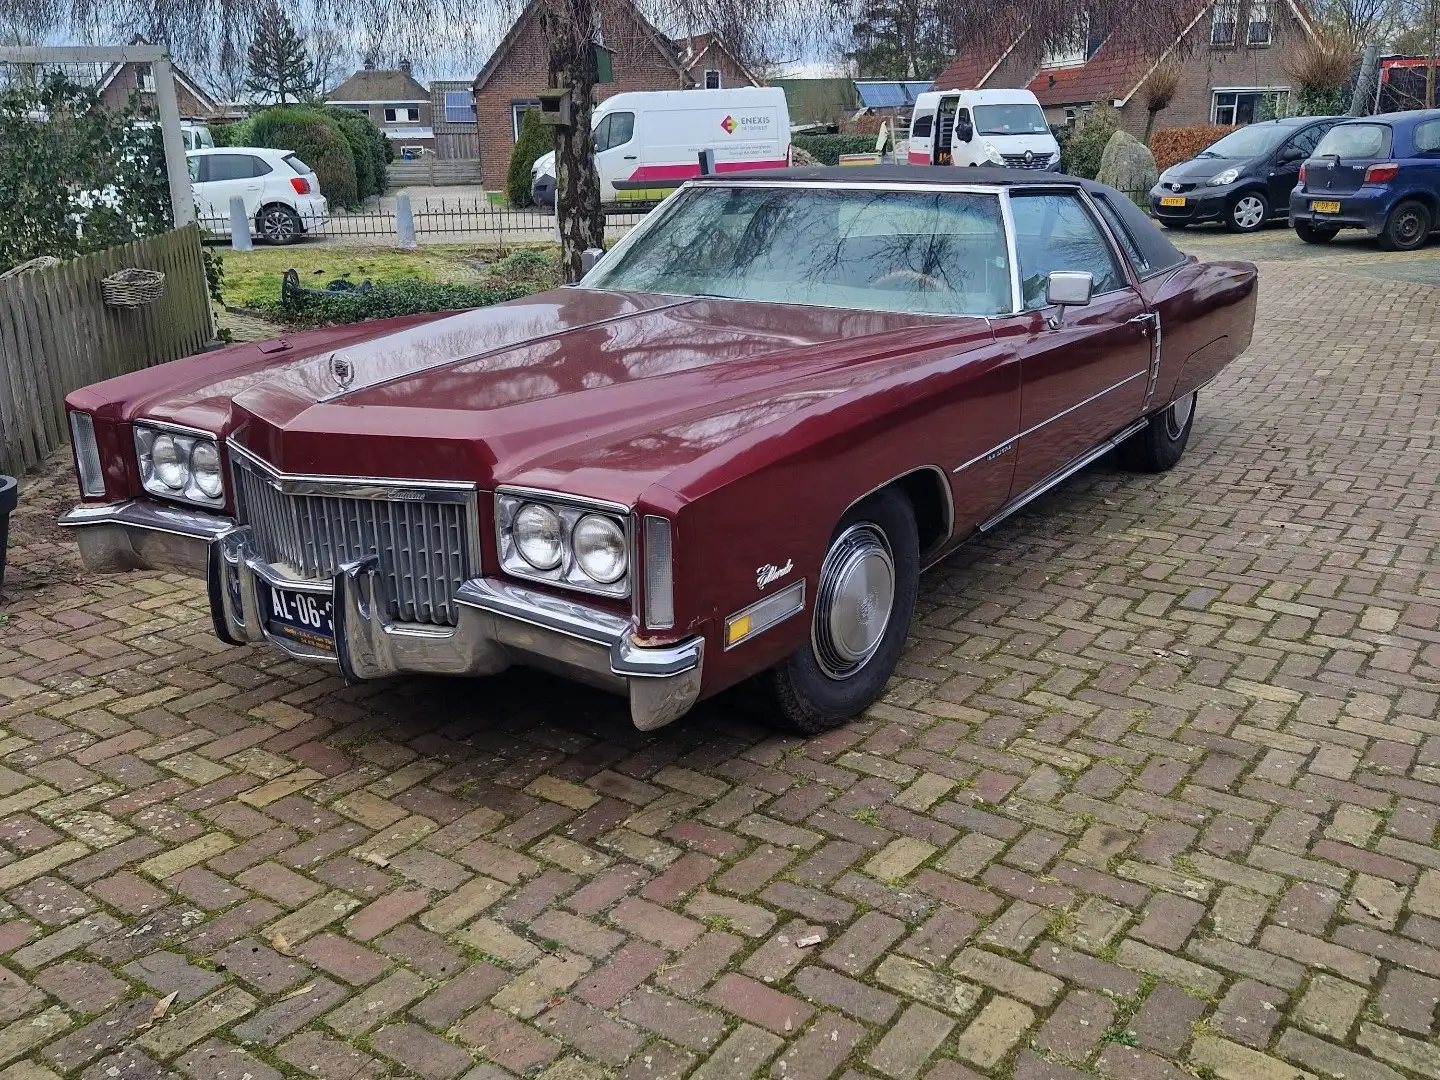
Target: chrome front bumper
501, 624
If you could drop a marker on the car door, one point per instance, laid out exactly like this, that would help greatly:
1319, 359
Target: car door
1086, 379
617, 151
1284, 171
227, 175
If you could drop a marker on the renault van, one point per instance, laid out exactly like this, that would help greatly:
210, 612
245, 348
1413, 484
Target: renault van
982, 127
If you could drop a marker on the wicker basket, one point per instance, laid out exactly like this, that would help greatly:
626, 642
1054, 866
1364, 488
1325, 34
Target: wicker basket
132, 287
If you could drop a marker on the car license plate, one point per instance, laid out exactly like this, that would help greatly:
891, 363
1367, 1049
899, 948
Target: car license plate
1172, 200
1325, 207
302, 617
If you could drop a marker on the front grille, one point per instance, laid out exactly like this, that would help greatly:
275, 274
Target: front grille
1017, 161
424, 547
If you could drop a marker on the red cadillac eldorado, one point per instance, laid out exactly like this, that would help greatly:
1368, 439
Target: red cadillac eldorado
726, 454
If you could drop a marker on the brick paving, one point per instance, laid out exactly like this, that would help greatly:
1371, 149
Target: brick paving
1154, 795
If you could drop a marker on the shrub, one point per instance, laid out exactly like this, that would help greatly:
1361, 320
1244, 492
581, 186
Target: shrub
826, 149
535, 142
318, 140
367, 145
1082, 146
1176, 144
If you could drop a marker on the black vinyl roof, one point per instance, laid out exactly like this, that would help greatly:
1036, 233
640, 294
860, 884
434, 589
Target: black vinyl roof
1159, 254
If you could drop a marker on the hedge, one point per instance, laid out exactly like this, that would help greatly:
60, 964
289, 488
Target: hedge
1176, 144
367, 145
826, 149
1082, 146
536, 140
318, 140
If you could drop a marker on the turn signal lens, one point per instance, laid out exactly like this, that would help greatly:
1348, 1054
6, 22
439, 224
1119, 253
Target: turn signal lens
1302, 174
659, 574
1381, 172
87, 454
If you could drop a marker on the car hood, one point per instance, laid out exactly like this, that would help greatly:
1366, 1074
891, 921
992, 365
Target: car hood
594, 392
1198, 170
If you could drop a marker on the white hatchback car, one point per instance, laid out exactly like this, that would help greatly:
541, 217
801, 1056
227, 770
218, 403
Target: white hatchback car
281, 193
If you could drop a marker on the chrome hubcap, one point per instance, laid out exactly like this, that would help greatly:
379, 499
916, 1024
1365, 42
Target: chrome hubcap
1249, 212
855, 598
1178, 415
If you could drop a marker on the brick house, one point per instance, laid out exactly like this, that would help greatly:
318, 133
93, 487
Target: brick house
1228, 74
641, 59
122, 83
397, 104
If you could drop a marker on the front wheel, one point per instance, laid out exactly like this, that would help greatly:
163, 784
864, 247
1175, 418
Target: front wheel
1407, 227
1314, 234
864, 602
1159, 445
1248, 212
280, 225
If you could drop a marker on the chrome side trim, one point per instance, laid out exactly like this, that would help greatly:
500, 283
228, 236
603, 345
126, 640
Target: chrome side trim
178, 429
355, 487
1062, 473
944, 486
1012, 252
143, 535
999, 448
545, 495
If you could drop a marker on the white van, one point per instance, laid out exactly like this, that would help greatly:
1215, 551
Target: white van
982, 127
648, 142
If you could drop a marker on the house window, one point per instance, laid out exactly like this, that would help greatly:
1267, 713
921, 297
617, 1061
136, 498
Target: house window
459, 107
517, 116
712, 79
1245, 106
1073, 51
1225, 20
402, 114
145, 78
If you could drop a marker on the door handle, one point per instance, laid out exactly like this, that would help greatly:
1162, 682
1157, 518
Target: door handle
631, 157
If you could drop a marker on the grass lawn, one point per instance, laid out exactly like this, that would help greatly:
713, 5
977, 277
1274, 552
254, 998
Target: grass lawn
252, 278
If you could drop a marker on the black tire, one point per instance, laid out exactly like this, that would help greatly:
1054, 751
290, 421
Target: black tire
828, 680
1407, 227
1314, 234
1248, 213
1176, 225
277, 224
1160, 444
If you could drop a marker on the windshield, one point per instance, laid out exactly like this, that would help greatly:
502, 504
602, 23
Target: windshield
940, 253
1010, 120
1248, 142
1355, 141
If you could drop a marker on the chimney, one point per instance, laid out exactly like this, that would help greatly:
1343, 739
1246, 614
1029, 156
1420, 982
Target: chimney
405, 66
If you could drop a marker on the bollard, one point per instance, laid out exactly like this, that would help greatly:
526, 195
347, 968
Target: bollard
239, 225
404, 221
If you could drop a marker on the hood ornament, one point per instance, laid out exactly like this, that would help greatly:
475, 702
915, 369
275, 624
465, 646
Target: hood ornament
342, 371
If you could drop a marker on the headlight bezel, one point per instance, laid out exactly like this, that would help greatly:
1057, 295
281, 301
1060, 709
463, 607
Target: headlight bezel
1224, 179
568, 574
147, 433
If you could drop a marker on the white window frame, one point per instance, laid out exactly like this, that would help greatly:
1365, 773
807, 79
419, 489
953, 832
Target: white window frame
1075, 52
1259, 16
392, 114
719, 79
469, 106
517, 117
1280, 93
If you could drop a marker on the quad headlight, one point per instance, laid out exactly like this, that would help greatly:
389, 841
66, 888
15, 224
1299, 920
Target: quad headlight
579, 545
180, 465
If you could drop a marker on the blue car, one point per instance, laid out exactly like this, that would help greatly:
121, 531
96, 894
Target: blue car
1377, 173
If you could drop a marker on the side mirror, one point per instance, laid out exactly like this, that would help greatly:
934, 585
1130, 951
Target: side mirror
1067, 288
588, 258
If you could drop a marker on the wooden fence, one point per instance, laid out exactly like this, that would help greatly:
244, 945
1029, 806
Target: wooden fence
57, 334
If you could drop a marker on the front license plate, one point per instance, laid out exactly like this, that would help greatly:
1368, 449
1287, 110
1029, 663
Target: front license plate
302, 617
1325, 207
1172, 200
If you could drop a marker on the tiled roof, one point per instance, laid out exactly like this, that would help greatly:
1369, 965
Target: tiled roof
965, 71
375, 84
1111, 73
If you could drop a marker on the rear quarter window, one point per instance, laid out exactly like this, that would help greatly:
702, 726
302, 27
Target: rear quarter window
1356, 141
298, 165
1426, 138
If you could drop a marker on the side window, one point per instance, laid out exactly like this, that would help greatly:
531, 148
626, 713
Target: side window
229, 167
193, 164
920, 129
259, 166
622, 128
1121, 233
1055, 232
602, 133
1308, 139
1427, 138
962, 124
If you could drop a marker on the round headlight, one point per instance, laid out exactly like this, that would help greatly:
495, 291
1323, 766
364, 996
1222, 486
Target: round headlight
538, 536
205, 469
169, 462
599, 548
